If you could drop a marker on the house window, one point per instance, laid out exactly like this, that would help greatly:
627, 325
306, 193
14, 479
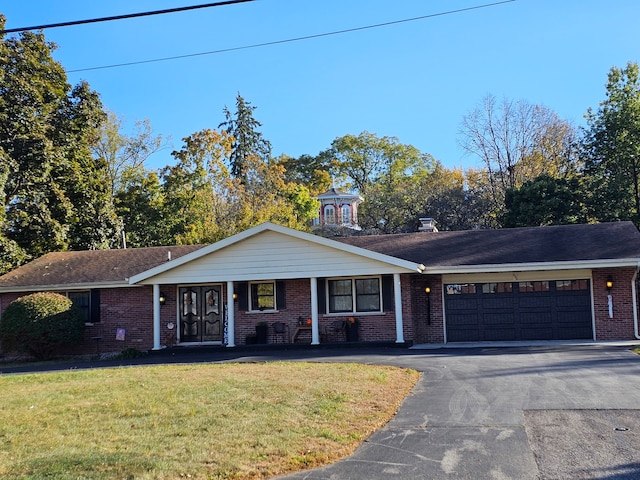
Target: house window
571, 285
82, 302
263, 296
528, 287
329, 215
346, 214
460, 288
501, 287
354, 295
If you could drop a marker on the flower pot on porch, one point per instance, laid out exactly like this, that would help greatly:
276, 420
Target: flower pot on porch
261, 332
353, 335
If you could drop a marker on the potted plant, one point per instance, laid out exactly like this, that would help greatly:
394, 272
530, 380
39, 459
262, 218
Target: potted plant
250, 339
261, 332
351, 325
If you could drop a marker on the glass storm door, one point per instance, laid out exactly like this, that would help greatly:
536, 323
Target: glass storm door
200, 314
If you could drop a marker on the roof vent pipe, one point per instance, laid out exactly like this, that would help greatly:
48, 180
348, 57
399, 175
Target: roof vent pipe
168, 255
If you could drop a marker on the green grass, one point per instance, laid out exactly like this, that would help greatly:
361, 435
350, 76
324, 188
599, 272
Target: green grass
232, 421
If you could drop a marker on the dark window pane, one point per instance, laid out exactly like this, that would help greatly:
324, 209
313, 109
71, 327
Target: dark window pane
340, 297
81, 300
263, 296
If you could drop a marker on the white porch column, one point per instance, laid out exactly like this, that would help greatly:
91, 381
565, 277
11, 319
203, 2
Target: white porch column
397, 294
231, 316
156, 316
315, 332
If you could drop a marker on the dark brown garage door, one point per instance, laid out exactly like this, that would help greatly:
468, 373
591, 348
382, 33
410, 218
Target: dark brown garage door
549, 310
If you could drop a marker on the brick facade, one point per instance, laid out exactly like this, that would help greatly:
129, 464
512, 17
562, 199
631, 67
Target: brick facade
131, 309
621, 326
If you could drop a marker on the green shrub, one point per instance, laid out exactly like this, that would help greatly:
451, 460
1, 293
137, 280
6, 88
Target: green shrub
41, 324
130, 353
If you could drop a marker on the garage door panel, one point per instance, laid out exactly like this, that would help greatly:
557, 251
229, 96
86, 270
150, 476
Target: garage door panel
501, 334
519, 311
465, 319
529, 301
460, 335
576, 333
572, 301
495, 302
536, 318
463, 303
505, 318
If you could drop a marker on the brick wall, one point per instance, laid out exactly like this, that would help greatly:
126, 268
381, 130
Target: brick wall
128, 308
621, 326
378, 327
427, 313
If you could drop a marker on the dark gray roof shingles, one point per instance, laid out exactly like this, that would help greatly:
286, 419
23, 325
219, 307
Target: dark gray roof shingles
615, 240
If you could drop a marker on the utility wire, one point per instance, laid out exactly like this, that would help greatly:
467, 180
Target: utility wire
122, 17
289, 40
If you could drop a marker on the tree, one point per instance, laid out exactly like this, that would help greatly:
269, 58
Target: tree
123, 153
141, 207
611, 147
52, 189
249, 148
311, 171
544, 201
517, 141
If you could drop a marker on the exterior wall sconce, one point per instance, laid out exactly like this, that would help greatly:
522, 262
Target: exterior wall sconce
235, 297
162, 298
427, 290
609, 283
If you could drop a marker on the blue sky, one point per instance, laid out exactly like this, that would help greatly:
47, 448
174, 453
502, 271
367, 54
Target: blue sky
413, 80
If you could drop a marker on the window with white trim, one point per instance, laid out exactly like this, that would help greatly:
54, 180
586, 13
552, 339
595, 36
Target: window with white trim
263, 296
329, 215
354, 295
346, 215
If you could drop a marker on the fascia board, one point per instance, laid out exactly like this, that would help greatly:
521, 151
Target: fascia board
409, 266
524, 267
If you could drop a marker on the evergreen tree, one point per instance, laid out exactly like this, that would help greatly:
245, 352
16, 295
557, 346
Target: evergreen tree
249, 148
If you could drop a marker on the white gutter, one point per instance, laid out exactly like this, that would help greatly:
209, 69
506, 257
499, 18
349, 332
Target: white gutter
66, 287
634, 299
525, 267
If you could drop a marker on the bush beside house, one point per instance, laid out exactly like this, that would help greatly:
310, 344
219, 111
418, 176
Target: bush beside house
41, 324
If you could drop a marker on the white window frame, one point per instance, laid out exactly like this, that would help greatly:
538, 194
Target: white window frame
330, 215
256, 308
346, 214
354, 296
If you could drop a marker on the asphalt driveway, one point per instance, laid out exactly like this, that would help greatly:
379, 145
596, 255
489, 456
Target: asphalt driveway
521, 413
506, 413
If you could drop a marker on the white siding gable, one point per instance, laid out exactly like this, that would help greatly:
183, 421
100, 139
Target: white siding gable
272, 255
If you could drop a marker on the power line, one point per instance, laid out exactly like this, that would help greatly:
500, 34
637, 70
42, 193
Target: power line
289, 40
122, 17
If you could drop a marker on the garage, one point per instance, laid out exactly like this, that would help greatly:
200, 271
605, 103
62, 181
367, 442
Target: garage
523, 310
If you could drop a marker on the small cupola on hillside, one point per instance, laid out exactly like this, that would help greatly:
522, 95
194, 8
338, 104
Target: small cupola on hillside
338, 209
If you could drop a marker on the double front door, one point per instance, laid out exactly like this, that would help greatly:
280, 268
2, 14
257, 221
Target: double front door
200, 313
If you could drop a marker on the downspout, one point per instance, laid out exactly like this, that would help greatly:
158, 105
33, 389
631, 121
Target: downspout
634, 299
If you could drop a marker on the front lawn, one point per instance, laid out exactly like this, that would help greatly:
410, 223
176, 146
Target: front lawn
223, 421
